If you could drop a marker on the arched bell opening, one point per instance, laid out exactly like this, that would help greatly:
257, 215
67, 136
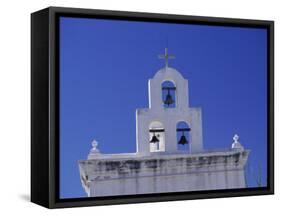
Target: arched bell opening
156, 137
168, 94
183, 136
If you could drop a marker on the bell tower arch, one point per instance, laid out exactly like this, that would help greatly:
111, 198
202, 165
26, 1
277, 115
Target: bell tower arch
169, 94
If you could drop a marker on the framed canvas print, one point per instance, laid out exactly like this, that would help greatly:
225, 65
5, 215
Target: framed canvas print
138, 107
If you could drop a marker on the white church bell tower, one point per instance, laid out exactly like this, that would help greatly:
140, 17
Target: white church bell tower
170, 155
158, 125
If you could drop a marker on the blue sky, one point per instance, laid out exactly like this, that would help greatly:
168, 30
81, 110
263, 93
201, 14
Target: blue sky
104, 70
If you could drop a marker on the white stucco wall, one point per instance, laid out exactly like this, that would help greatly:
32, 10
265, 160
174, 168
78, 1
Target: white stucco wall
163, 173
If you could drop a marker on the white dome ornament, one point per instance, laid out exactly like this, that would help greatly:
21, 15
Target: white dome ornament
94, 151
236, 145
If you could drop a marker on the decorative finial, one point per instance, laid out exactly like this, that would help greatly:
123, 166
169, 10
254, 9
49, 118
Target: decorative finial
166, 56
94, 151
236, 145
95, 145
236, 138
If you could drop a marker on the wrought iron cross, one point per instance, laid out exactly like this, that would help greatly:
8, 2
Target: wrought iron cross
166, 56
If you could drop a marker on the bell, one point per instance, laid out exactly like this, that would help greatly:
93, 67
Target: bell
183, 140
169, 100
154, 139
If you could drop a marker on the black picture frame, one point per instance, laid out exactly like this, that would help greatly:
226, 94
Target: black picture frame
45, 107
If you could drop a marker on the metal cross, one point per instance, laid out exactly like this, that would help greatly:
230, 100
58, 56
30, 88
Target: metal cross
166, 56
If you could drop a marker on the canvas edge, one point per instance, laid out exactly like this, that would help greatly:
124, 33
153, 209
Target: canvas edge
40, 108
